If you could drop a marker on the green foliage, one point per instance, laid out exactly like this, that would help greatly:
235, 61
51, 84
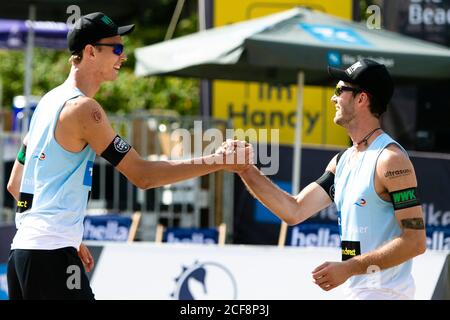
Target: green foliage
50, 68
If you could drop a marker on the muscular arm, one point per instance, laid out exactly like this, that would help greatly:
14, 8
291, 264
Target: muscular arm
95, 129
395, 172
291, 209
15, 178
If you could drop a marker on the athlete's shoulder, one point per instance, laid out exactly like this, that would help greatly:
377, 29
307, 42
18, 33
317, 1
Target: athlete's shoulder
83, 107
82, 102
395, 169
393, 155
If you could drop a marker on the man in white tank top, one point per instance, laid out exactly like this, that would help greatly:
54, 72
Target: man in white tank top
373, 185
68, 129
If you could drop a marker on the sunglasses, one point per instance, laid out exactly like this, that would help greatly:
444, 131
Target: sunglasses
117, 47
338, 90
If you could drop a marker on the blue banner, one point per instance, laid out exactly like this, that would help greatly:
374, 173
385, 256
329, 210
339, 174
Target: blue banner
107, 227
3, 283
191, 235
313, 235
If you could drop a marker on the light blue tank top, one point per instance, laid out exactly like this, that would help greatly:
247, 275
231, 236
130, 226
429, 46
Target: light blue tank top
365, 220
55, 184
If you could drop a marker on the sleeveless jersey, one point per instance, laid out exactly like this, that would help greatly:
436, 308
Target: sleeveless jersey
55, 184
365, 220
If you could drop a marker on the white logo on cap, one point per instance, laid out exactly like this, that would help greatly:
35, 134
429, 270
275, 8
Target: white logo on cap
352, 68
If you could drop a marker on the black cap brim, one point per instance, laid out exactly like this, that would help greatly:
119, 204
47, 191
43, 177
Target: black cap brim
125, 29
339, 74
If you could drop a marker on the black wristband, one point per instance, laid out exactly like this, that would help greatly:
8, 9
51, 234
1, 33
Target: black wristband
116, 150
326, 181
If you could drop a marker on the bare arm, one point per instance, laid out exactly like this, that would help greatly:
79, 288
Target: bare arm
16, 177
95, 129
412, 240
291, 209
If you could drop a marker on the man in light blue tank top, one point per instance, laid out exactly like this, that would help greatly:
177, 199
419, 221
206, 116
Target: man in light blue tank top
68, 129
374, 187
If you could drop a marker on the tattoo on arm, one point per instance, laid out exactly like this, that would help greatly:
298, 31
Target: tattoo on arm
413, 223
96, 115
397, 173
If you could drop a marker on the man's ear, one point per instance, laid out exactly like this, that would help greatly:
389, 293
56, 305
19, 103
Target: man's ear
89, 51
363, 96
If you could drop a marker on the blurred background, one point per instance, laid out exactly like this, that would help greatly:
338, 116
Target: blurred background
150, 111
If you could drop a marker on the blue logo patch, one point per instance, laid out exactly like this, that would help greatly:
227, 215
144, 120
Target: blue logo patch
334, 59
334, 35
87, 181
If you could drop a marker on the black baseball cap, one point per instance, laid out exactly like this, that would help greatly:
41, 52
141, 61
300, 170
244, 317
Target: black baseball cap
369, 75
92, 27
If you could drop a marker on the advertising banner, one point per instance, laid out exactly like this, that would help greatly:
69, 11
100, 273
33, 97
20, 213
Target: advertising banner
425, 19
3, 282
195, 272
272, 106
422, 121
107, 227
191, 235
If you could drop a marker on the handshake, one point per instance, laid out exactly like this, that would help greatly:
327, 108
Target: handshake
236, 155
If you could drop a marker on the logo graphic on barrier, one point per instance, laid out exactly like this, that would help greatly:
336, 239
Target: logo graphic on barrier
205, 281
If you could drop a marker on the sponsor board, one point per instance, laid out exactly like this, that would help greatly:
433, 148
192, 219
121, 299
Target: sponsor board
314, 235
438, 238
155, 271
107, 227
191, 235
327, 235
3, 283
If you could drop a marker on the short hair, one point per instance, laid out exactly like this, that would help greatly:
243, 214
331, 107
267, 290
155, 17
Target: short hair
76, 57
375, 106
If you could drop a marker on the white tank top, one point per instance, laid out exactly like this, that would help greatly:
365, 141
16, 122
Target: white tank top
366, 221
55, 185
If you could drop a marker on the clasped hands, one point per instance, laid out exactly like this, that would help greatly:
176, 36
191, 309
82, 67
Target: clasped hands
237, 155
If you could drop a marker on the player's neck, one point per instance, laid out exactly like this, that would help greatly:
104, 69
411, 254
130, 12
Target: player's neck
84, 81
364, 134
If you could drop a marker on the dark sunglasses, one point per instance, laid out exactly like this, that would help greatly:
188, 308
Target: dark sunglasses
117, 47
339, 90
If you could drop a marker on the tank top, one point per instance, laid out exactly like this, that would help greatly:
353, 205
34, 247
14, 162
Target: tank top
55, 184
366, 221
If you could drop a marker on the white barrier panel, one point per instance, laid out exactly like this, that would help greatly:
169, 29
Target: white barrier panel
186, 271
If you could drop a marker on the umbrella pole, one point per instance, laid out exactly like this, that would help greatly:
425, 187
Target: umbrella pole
296, 163
28, 69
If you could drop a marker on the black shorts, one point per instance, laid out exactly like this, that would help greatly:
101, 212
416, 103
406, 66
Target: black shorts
47, 274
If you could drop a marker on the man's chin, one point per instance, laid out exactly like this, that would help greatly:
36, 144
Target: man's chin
338, 121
